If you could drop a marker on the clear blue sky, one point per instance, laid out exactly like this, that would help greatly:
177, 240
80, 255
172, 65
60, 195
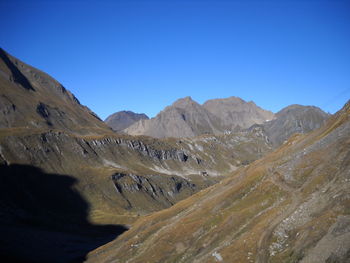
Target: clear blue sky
143, 55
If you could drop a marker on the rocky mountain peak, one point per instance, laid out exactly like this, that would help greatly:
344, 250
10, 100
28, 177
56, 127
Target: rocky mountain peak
235, 111
123, 119
185, 102
232, 101
294, 119
297, 108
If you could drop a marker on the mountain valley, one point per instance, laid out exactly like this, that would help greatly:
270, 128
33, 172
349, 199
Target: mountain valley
220, 182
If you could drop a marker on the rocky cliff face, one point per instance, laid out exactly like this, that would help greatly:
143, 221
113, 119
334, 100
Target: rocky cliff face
156, 191
123, 119
290, 206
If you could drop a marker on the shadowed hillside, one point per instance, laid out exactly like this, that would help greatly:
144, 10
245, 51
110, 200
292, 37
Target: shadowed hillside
43, 219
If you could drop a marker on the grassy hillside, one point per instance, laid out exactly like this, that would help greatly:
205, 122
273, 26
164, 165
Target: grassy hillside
291, 206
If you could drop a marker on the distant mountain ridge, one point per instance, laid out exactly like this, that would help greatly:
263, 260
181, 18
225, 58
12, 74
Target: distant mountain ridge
123, 119
187, 118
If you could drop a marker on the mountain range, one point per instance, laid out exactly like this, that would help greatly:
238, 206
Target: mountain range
220, 182
187, 118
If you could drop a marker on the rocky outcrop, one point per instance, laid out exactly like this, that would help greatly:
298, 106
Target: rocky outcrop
123, 119
151, 192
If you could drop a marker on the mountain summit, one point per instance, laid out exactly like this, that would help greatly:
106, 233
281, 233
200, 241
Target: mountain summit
184, 118
234, 111
123, 119
294, 119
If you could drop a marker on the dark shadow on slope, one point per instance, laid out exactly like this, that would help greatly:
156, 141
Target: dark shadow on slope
17, 75
43, 219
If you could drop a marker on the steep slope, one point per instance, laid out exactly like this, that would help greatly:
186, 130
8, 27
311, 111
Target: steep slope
184, 118
29, 98
291, 206
234, 112
123, 119
294, 119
